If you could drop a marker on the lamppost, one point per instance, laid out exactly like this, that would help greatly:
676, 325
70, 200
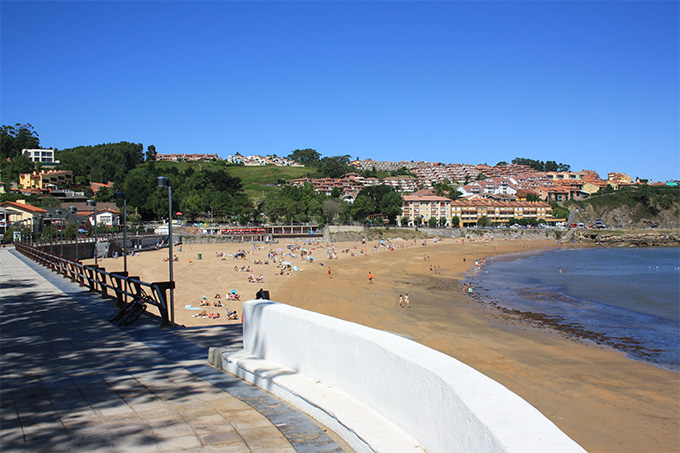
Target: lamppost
73, 210
40, 228
61, 228
164, 181
121, 196
93, 204
49, 216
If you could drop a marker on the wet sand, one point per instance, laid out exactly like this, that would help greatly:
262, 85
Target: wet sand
597, 396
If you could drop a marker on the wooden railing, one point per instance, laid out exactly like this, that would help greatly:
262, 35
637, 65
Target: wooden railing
116, 285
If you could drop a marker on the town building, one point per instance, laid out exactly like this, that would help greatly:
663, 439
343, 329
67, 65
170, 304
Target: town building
108, 217
95, 186
21, 212
45, 179
187, 157
424, 204
44, 156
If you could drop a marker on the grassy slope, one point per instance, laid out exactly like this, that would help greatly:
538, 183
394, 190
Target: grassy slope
256, 180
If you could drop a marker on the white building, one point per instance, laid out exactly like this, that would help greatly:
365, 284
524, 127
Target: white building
45, 156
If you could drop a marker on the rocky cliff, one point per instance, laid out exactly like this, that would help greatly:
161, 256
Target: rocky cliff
633, 239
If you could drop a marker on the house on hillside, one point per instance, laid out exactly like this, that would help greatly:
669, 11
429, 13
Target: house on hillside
44, 156
22, 212
45, 179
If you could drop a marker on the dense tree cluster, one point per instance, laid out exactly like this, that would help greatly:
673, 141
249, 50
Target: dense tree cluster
101, 163
195, 193
303, 204
539, 165
12, 140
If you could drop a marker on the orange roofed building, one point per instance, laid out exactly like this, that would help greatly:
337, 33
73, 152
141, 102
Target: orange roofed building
424, 205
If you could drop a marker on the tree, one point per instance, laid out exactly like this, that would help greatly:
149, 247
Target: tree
483, 221
107, 162
383, 200
103, 195
432, 222
404, 221
455, 221
332, 208
151, 153
15, 167
539, 165
442, 221
15, 138
334, 167
362, 207
391, 205
307, 157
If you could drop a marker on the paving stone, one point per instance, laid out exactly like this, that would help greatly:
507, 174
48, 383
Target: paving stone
72, 381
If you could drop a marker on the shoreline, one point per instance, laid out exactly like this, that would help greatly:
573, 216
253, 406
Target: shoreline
570, 329
602, 399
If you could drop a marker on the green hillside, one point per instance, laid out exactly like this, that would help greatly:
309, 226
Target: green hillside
646, 206
257, 181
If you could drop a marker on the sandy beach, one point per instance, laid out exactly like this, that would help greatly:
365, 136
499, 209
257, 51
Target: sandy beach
597, 396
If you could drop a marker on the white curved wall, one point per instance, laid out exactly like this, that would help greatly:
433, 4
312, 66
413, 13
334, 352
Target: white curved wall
442, 403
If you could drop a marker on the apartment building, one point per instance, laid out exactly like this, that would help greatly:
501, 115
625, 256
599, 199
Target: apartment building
402, 184
424, 204
45, 179
44, 156
187, 157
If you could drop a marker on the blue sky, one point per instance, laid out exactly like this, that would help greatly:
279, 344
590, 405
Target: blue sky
591, 84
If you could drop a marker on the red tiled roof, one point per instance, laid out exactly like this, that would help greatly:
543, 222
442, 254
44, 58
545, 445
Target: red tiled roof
24, 206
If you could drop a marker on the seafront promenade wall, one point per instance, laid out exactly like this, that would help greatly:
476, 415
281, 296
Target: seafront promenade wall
382, 392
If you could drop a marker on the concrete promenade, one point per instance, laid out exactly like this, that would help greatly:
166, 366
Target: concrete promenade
72, 381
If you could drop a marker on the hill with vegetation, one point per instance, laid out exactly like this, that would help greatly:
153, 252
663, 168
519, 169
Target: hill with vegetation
639, 207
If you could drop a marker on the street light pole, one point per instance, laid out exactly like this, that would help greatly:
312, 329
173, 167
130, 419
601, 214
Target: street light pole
164, 181
61, 229
49, 216
121, 196
41, 227
74, 211
93, 204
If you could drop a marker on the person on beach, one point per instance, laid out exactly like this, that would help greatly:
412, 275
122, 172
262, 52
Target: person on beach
329, 273
401, 301
464, 288
407, 301
370, 277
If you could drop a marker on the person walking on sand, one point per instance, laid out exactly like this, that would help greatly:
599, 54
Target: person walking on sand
370, 277
407, 301
401, 301
329, 273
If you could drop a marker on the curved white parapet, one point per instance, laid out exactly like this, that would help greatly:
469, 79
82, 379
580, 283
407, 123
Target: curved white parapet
382, 392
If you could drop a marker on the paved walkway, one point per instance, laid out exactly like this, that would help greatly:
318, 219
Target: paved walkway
71, 381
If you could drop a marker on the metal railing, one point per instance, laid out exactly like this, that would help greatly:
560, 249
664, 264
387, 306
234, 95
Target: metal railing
116, 285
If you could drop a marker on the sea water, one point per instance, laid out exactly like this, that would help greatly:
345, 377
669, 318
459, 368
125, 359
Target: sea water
626, 298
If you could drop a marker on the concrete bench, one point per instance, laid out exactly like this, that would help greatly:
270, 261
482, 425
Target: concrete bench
380, 391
